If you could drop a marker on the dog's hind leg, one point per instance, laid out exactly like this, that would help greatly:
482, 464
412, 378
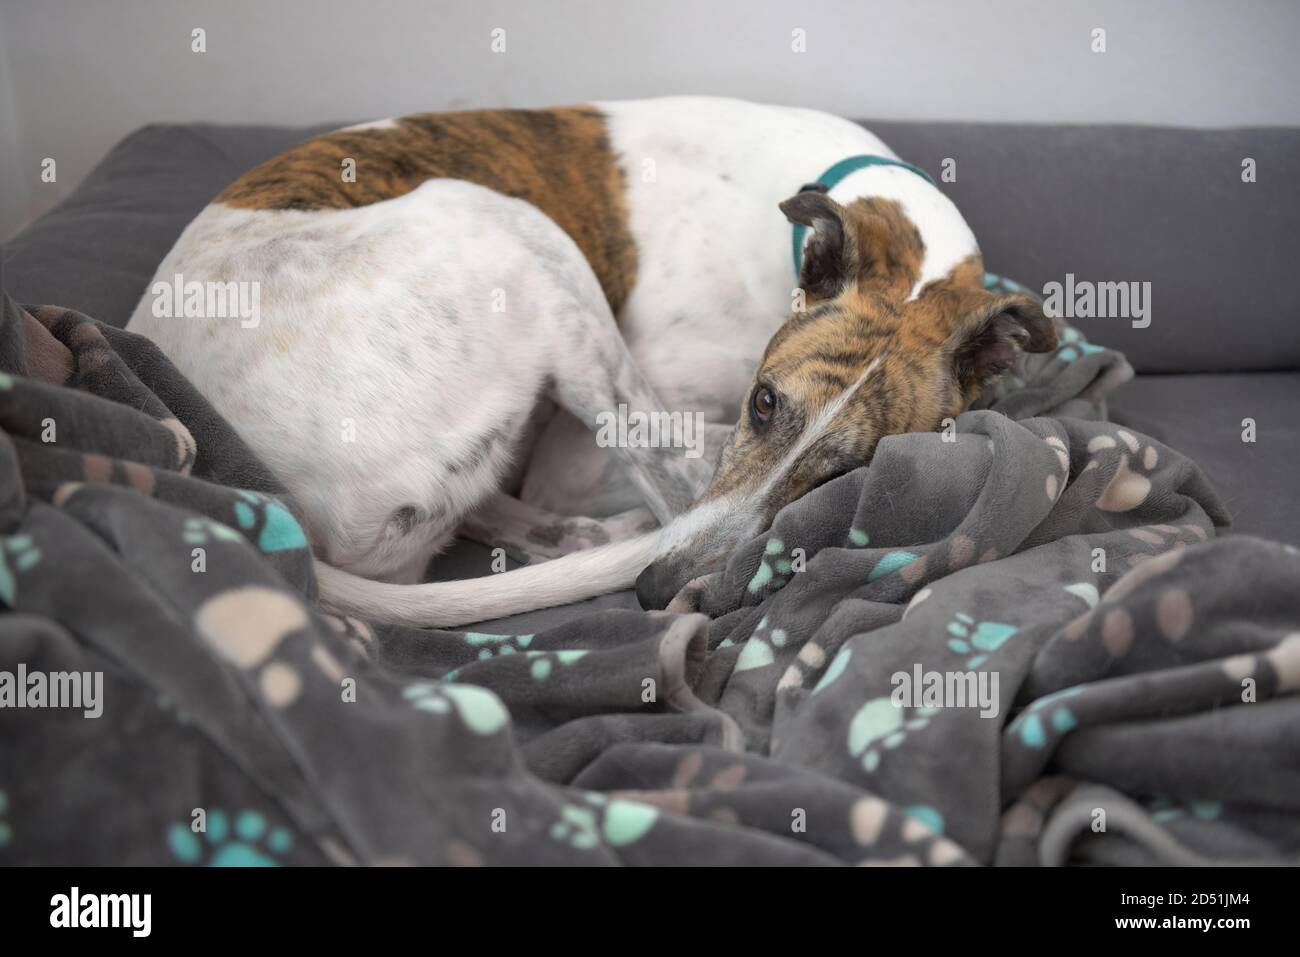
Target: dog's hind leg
568, 474
597, 380
530, 534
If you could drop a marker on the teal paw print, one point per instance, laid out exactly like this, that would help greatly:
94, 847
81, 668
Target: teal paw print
759, 649
1045, 718
890, 563
1073, 345
248, 842
17, 554
578, 827
279, 530
838, 664
490, 645
771, 569
6, 832
480, 710
544, 662
201, 531
617, 822
880, 726
927, 815
984, 638
1165, 810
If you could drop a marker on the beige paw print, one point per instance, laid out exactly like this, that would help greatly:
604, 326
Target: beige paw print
1128, 488
246, 626
1055, 483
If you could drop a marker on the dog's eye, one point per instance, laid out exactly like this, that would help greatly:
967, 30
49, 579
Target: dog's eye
762, 404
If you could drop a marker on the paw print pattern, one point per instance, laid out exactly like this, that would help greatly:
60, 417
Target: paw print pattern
1128, 488
1074, 346
247, 626
771, 570
758, 651
248, 842
17, 554
202, 531
577, 827
880, 726
480, 710
544, 662
1044, 719
616, 822
497, 646
268, 523
890, 563
837, 667
809, 661
490, 645
1166, 810
981, 639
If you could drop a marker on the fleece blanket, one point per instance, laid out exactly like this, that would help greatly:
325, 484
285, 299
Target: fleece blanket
1016, 642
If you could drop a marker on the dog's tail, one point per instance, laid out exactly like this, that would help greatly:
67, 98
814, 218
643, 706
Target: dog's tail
572, 577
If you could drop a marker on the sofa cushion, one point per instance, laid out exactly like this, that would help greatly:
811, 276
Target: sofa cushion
1201, 416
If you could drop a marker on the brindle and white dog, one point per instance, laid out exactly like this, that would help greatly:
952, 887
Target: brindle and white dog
481, 263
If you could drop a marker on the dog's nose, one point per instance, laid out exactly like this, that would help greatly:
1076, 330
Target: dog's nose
658, 584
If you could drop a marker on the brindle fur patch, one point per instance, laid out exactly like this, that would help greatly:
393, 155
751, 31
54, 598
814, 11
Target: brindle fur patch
869, 241
819, 354
559, 160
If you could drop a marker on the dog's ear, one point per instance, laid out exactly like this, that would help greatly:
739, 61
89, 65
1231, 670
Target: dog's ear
992, 331
827, 255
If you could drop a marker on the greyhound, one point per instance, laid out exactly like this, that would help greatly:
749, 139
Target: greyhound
429, 288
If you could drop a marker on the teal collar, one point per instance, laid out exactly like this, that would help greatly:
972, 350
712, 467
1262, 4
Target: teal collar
831, 178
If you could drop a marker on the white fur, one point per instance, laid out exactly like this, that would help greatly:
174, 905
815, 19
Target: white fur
715, 274
377, 323
379, 319
388, 124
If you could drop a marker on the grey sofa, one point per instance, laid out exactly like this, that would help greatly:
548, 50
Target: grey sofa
1105, 203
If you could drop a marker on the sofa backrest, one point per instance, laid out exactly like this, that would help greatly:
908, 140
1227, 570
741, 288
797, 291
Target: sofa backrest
1139, 204
1104, 204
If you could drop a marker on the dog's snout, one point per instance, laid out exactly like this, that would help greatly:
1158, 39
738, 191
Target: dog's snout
658, 583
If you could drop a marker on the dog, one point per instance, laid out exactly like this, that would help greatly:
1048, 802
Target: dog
420, 320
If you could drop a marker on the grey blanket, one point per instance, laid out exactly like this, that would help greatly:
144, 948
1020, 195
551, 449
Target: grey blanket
1016, 643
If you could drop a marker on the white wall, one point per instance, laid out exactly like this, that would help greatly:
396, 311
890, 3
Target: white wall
86, 72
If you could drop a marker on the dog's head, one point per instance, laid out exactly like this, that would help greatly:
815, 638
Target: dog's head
864, 359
